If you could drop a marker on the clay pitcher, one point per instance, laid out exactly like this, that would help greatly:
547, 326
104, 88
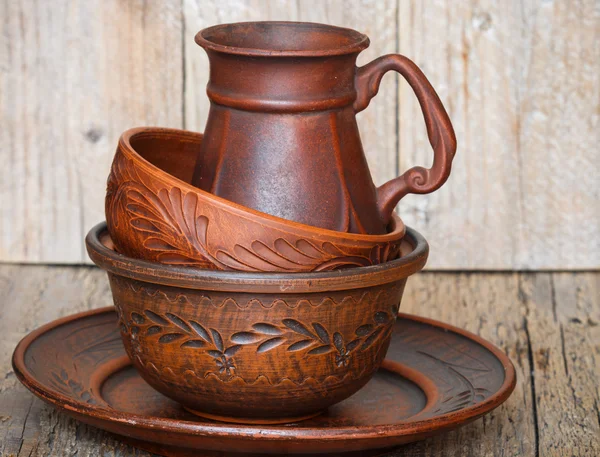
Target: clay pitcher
281, 135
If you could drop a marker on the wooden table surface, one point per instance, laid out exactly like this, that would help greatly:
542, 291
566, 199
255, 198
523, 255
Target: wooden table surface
548, 323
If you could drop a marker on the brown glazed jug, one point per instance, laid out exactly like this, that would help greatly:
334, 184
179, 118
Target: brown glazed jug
281, 135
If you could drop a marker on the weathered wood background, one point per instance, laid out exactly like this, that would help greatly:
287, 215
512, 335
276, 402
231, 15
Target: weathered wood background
520, 79
547, 323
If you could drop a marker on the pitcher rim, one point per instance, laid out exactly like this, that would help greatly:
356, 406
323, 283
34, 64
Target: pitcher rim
359, 41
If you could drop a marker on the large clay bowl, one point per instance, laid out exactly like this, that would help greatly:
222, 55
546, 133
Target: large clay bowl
255, 347
153, 213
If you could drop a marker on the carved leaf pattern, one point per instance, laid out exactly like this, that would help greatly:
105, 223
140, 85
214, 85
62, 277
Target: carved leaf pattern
266, 329
170, 224
320, 350
189, 335
156, 318
179, 322
318, 342
246, 337
200, 331
62, 382
270, 344
471, 395
322, 333
172, 329
299, 345
153, 330
338, 341
170, 337
298, 327
217, 339
463, 393
285, 256
196, 344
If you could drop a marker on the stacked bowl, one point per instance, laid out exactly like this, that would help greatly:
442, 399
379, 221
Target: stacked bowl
256, 270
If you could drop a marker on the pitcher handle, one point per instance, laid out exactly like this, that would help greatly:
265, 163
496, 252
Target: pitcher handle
416, 180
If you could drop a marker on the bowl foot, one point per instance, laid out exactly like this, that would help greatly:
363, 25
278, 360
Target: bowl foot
252, 420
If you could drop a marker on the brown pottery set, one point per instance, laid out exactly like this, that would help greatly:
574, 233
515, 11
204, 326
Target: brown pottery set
153, 213
282, 137
255, 347
434, 378
257, 271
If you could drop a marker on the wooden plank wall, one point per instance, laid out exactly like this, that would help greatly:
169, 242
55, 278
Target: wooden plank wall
520, 79
73, 75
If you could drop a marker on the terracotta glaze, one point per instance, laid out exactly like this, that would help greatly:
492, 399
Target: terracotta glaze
434, 379
153, 213
282, 137
255, 347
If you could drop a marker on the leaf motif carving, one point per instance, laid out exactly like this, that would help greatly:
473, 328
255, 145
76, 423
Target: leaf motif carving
246, 338
200, 331
347, 261
196, 344
381, 317
156, 318
248, 257
169, 223
178, 322
320, 350
153, 330
232, 350
294, 254
338, 341
138, 318
202, 229
216, 336
270, 344
299, 345
352, 345
144, 224
364, 330
321, 333
315, 338
370, 339
266, 329
170, 337
375, 254
298, 327
273, 256
308, 249
332, 249
284, 256
71, 387
157, 244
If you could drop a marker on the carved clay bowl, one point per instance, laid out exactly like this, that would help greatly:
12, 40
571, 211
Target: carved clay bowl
255, 347
153, 213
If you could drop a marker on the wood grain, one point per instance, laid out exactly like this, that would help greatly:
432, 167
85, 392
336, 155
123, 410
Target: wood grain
521, 82
548, 323
563, 314
73, 76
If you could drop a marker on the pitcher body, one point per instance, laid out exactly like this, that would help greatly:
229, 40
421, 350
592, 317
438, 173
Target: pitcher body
281, 135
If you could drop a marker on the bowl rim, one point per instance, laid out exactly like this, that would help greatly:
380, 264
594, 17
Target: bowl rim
124, 145
269, 432
98, 247
359, 41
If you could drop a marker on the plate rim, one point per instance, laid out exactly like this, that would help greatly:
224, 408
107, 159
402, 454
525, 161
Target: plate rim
271, 433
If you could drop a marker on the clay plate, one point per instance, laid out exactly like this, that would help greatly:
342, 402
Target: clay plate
435, 378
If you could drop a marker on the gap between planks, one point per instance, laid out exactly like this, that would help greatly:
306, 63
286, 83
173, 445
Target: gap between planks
548, 324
